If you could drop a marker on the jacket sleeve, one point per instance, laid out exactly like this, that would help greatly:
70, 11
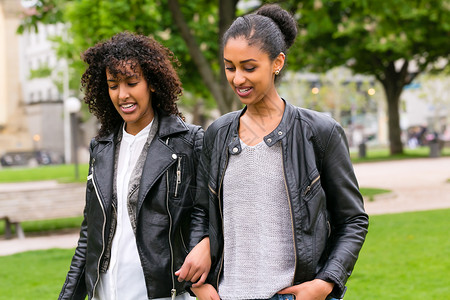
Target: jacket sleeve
349, 222
74, 287
200, 214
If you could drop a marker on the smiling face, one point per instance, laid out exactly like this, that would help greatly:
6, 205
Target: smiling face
250, 71
131, 96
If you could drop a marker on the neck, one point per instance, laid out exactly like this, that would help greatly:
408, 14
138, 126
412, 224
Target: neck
268, 107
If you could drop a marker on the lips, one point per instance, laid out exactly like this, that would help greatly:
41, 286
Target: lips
243, 91
128, 107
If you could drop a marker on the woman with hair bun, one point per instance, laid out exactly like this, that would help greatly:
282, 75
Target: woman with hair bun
277, 194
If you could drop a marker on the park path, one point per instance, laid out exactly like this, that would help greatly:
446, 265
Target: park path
418, 184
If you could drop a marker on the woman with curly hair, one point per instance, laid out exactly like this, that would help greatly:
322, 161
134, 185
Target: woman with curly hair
141, 180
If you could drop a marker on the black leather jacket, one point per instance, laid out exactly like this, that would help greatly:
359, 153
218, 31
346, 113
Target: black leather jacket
163, 213
328, 218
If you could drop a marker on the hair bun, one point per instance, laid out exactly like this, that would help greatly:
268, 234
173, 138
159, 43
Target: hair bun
283, 19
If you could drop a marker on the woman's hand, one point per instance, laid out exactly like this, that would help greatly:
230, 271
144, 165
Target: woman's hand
196, 265
316, 289
206, 292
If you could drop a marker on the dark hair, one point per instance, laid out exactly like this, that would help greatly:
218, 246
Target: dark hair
271, 27
144, 52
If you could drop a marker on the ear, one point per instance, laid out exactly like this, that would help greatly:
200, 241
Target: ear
278, 62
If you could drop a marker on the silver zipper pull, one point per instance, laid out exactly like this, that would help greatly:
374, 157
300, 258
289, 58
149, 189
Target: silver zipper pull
178, 176
307, 190
173, 293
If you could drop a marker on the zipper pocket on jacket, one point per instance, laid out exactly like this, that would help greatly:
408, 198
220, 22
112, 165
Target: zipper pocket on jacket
178, 182
308, 188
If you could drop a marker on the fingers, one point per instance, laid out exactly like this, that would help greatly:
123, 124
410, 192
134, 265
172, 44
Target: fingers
215, 295
288, 290
201, 281
182, 272
188, 273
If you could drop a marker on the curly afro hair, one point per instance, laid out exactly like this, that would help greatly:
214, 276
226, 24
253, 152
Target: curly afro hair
155, 62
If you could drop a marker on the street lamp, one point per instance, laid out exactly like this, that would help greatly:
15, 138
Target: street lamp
72, 105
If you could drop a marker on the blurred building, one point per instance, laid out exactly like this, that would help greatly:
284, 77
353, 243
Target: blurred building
14, 130
31, 107
39, 72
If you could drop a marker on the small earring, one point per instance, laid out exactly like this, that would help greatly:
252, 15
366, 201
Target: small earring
277, 72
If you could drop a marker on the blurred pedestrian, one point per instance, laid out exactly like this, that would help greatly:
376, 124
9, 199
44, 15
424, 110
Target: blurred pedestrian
278, 197
141, 181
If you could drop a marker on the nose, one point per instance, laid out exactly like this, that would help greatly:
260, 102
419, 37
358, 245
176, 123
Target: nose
239, 78
123, 91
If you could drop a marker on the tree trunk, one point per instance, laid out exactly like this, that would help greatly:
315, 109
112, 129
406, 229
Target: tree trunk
393, 83
395, 132
227, 14
218, 89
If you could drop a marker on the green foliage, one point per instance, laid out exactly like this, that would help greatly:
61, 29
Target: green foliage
92, 21
41, 72
405, 256
367, 35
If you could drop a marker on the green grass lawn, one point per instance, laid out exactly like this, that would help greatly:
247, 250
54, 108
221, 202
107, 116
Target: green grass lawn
62, 173
34, 275
43, 226
406, 256
382, 154
370, 193
66, 173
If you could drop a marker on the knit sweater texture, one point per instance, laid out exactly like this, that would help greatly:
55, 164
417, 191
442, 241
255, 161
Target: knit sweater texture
259, 256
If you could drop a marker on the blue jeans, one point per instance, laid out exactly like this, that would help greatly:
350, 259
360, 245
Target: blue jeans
282, 297
286, 297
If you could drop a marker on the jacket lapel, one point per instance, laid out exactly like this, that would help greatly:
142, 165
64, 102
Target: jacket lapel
160, 155
104, 170
159, 158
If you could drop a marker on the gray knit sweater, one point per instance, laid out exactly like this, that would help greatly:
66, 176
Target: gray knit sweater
259, 257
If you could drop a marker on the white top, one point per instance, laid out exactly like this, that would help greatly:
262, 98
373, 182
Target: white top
259, 254
124, 279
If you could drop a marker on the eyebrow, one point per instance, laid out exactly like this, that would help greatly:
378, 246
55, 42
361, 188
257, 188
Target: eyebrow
128, 77
242, 61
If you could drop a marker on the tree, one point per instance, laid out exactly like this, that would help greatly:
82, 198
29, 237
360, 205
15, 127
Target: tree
392, 40
191, 31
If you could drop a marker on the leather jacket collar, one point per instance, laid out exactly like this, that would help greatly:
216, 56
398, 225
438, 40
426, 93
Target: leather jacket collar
234, 147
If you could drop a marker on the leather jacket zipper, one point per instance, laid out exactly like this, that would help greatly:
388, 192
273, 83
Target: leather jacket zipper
291, 213
221, 216
173, 291
103, 227
308, 188
178, 176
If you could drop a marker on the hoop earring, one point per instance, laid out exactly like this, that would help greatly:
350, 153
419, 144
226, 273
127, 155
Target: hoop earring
277, 72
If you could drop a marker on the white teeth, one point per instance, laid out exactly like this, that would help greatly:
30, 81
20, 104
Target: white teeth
243, 90
127, 106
